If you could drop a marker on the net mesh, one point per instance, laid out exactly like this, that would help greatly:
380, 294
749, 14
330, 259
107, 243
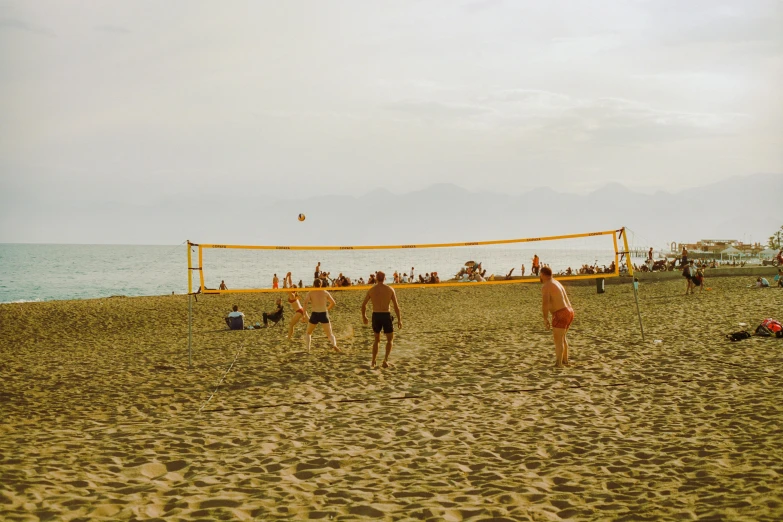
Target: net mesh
249, 268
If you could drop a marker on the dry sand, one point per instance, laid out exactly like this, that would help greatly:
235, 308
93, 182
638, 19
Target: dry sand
100, 413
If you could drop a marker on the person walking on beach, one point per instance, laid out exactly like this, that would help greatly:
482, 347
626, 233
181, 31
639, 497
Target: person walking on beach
555, 301
321, 301
275, 282
381, 296
536, 265
222, 285
689, 272
523, 270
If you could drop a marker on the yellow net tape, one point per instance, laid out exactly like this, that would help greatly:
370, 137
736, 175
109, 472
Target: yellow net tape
430, 245
515, 280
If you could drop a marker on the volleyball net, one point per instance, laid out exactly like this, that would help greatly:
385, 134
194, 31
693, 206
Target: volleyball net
224, 268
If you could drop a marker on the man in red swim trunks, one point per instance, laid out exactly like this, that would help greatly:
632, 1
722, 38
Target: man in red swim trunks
555, 300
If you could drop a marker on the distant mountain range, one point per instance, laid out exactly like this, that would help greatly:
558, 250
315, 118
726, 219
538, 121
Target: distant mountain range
746, 208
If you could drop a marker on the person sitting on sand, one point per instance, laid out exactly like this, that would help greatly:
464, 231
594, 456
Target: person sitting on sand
762, 282
381, 296
299, 313
555, 300
232, 321
321, 301
274, 316
222, 285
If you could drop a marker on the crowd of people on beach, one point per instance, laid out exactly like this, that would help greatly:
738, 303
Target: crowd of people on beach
471, 272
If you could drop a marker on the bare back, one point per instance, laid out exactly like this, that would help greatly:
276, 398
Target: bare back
555, 296
319, 299
381, 296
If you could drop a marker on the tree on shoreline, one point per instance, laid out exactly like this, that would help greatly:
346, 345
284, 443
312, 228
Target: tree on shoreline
775, 239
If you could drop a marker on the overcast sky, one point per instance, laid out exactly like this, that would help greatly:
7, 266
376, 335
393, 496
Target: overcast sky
143, 100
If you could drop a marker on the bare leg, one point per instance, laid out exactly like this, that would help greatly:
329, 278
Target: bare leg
559, 335
309, 335
565, 348
295, 319
330, 335
375, 344
389, 342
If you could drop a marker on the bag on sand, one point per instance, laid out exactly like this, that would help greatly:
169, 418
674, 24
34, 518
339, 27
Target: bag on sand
738, 336
769, 328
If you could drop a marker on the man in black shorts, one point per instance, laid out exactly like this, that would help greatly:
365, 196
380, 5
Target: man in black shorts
321, 301
381, 296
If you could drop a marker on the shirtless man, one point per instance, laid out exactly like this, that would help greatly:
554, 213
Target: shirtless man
555, 300
299, 313
321, 301
381, 295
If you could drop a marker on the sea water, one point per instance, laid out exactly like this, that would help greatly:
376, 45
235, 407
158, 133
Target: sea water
53, 272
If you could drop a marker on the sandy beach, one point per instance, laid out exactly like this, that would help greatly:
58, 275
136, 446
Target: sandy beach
103, 419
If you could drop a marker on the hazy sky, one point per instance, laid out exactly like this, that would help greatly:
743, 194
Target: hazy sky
143, 100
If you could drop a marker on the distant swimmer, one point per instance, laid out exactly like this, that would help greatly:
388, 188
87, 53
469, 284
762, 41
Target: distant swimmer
321, 301
299, 312
555, 300
223, 285
381, 296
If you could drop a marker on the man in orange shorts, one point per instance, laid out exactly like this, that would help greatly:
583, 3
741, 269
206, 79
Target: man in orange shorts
555, 300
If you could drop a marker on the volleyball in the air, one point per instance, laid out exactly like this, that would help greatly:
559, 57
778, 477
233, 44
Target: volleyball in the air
301, 217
